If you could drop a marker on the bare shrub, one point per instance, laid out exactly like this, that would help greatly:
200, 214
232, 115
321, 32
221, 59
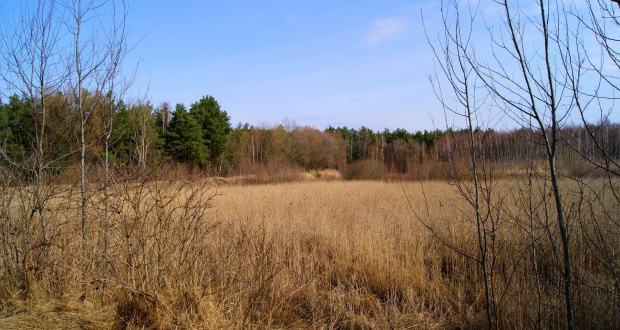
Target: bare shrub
368, 169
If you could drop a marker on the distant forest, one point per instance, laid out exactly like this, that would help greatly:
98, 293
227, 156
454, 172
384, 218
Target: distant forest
202, 139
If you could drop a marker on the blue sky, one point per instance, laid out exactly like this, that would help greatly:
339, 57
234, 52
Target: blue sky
319, 63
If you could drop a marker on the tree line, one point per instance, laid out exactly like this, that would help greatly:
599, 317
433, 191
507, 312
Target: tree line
202, 138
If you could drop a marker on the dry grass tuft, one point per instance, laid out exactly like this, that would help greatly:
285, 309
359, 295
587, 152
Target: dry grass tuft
135, 310
57, 314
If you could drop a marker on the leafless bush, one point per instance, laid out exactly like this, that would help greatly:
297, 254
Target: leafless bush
368, 169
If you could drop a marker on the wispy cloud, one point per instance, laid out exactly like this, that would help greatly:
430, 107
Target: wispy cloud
386, 29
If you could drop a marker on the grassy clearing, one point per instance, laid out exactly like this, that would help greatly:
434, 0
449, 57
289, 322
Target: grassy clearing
318, 254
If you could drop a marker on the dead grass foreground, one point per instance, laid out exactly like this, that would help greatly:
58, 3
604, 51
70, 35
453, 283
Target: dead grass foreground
322, 254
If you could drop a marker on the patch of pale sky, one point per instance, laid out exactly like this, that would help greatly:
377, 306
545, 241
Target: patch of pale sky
387, 29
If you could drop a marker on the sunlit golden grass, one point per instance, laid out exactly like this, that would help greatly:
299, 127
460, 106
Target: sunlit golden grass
350, 253
322, 254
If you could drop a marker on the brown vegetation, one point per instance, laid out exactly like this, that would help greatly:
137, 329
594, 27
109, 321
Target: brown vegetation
296, 255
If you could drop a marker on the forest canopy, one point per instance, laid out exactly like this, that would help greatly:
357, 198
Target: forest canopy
202, 139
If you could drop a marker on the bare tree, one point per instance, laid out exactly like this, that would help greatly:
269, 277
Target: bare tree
538, 70
452, 50
94, 62
31, 70
143, 131
594, 84
116, 89
60, 58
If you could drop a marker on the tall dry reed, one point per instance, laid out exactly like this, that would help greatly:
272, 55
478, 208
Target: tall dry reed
328, 254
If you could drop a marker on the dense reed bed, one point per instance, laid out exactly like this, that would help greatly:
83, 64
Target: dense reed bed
323, 254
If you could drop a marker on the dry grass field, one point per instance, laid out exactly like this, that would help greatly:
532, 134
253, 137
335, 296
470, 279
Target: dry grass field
314, 254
